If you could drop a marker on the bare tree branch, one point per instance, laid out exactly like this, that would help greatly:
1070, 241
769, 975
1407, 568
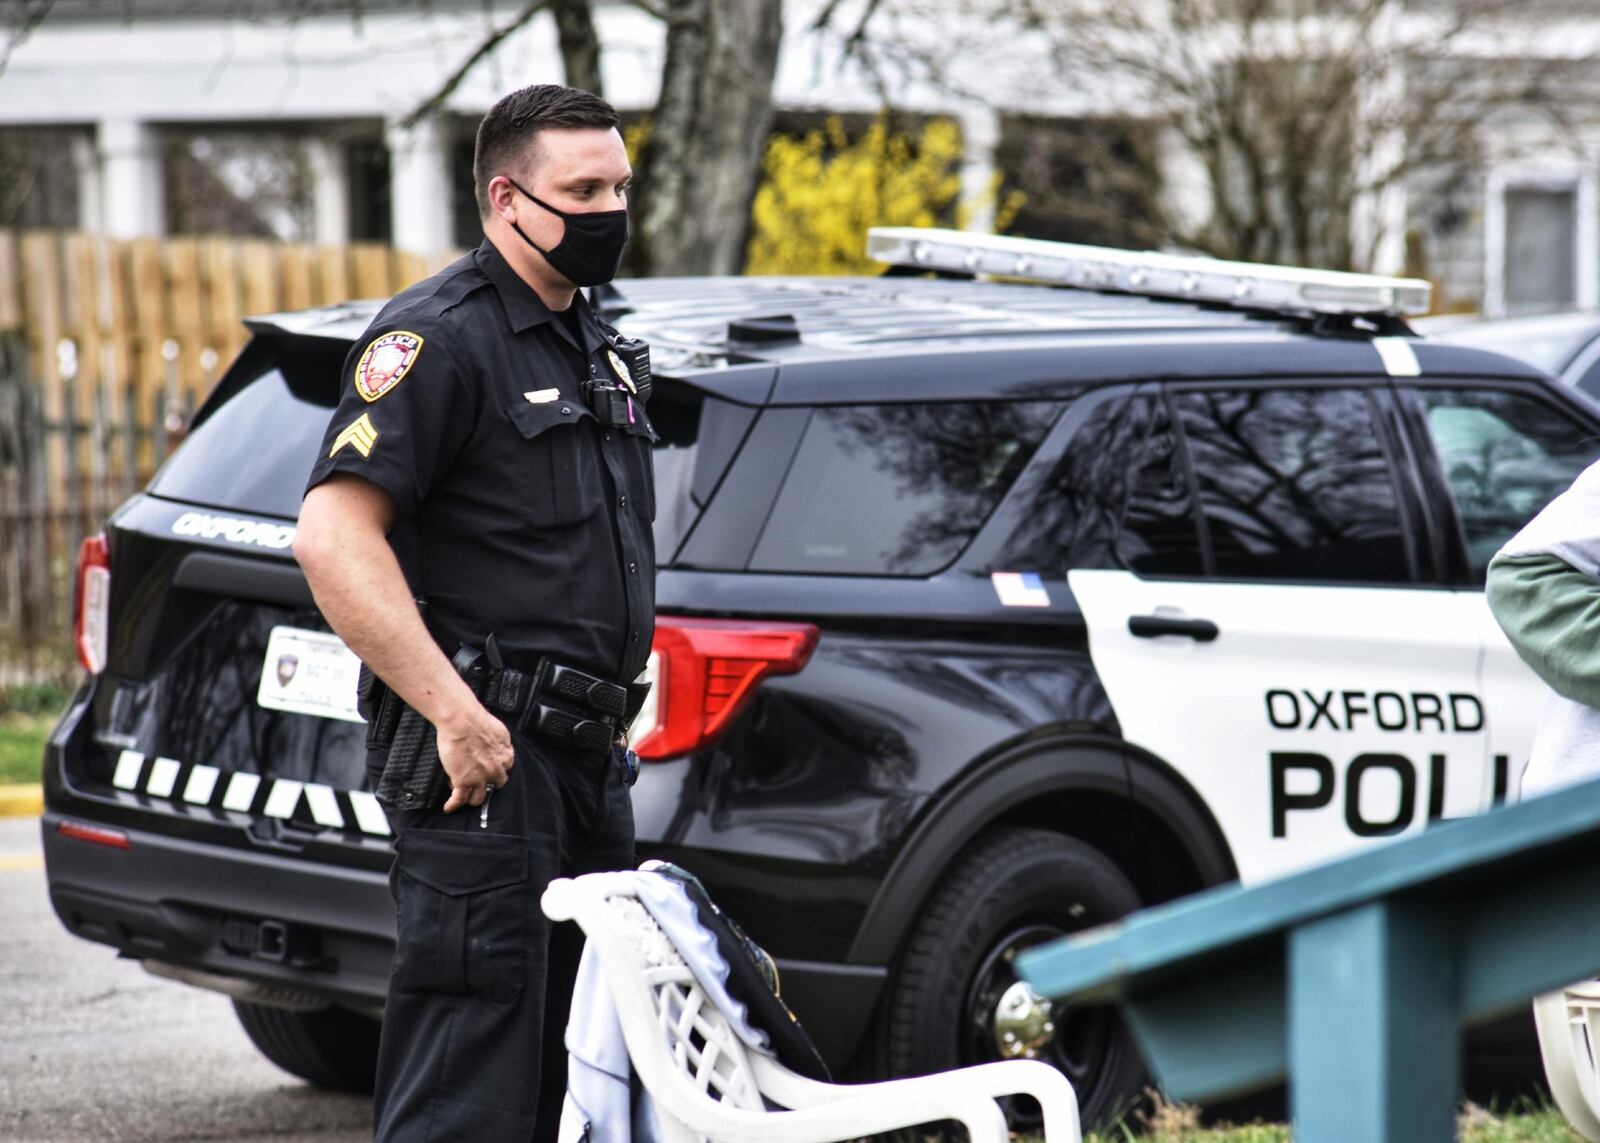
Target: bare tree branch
24, 18
1298, 116
437, 100
662, 11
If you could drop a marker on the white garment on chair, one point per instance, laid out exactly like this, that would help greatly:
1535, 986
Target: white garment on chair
603, 1104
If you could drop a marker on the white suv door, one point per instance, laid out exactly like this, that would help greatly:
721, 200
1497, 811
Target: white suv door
1261, 617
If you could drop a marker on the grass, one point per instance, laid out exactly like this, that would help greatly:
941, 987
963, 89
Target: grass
27, 712
22, 745
1169, 1123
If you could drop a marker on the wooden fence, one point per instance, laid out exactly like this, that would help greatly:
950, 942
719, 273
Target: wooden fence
106, 348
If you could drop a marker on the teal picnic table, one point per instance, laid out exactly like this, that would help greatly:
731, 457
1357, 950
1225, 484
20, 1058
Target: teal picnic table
1353, 979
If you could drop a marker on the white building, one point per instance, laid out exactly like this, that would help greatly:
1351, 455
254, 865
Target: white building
194, 118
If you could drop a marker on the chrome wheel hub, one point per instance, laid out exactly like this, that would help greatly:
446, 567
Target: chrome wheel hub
1022, 1024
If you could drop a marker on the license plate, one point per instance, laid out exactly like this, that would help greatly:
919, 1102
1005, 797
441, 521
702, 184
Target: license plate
309, 672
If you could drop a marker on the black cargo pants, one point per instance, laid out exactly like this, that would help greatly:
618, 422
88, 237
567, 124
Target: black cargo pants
472, 1044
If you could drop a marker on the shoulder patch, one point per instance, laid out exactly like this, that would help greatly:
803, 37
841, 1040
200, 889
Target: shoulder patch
359, 434
385, 362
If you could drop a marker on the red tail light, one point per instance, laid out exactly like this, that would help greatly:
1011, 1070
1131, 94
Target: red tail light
704, 670
91, 608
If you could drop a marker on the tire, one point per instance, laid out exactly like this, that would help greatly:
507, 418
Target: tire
1010, 889
332, 1047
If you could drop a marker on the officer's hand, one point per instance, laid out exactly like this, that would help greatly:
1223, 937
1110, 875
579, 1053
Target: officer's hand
474, 752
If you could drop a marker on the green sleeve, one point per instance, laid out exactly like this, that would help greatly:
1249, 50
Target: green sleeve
1550, 612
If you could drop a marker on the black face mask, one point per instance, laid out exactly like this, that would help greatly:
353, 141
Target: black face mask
590, 251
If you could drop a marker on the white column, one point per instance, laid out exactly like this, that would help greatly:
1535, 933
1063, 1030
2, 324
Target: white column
330, 191
131, 192
419, 188
1494, 244
1587, 260
1378, 215
980, 135
1186, 190
86, 169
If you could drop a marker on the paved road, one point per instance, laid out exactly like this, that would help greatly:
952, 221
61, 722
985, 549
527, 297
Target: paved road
95, 1048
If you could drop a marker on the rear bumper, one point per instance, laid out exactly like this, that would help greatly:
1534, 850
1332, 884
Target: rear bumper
181, 899
190, 904
185, 903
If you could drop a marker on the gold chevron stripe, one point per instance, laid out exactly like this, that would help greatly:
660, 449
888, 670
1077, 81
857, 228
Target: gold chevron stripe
358, 433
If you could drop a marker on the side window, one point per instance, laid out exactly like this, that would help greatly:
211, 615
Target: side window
1294, 484
897, 489
1505, 455
1119, 498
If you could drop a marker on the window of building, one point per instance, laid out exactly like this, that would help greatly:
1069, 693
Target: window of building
39, 178
1093, 180
254, 184
1541, 250
367, 169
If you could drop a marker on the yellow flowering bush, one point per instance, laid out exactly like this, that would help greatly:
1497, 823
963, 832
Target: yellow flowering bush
821, 191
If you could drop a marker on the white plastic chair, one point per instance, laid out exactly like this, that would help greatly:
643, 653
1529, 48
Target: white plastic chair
708, 1086
1568, 1021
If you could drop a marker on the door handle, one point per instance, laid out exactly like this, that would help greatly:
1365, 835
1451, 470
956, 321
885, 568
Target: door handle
1152, 626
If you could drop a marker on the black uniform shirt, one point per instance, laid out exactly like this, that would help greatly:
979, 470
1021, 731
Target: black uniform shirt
518, 513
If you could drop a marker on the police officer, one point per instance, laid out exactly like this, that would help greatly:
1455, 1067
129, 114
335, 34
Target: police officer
487, 474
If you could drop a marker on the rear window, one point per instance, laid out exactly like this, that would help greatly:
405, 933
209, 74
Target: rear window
254, 446
253, 451
696, 438
897, 489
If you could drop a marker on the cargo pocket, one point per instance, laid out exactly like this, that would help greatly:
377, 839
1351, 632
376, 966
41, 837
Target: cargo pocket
462, 903
556, 469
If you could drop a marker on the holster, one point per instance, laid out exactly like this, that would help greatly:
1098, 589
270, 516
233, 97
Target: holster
413, 777
552, 701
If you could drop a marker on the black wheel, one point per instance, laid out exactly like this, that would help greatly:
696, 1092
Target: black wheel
333, 1047
956, 1000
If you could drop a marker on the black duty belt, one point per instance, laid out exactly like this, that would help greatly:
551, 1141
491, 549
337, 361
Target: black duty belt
555, 701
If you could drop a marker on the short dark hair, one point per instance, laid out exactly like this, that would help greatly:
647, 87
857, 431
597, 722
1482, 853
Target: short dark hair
514, 123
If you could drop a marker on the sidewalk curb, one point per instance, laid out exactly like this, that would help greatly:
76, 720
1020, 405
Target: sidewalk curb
21, 801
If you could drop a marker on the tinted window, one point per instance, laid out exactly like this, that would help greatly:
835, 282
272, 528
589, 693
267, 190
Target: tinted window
252, 454
1589, 382
1505, 455
1118, 498
696, 438
896, 489
1293, 484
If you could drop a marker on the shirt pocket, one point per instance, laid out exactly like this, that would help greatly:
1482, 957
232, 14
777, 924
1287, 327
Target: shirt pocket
462, 904
555, 469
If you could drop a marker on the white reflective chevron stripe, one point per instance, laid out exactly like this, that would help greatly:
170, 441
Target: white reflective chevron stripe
324, 805
369, 814
129, 764
163, 777
329, 807
283, 798
241, 791
201, 785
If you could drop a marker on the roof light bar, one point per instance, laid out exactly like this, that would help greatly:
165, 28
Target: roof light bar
1247, 285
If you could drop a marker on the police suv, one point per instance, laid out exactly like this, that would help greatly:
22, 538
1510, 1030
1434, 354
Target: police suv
1017, 588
